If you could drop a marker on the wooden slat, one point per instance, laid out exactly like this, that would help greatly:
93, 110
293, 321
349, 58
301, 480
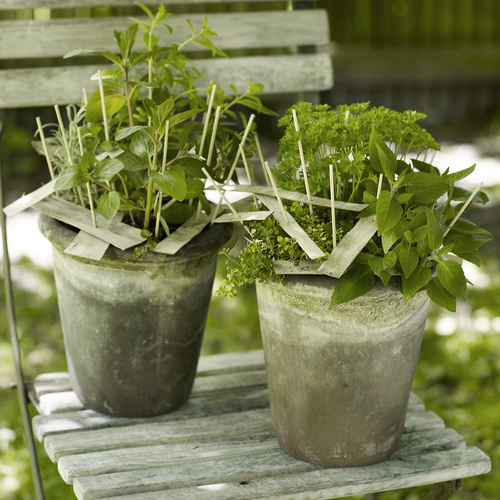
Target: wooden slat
216, 404
192, 430
145, 457
336, 483
65, 4
57, 37
63, 85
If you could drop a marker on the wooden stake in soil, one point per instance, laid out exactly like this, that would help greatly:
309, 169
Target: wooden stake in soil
275, 188
261, 158
207, 119
68, 150
465, 205
103, 105
379, 188
45, 148
163, 166
89, 191
247, 171
302, 161
214, 134
332, 198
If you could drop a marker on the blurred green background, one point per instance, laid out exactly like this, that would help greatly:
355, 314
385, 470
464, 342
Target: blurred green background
441, 57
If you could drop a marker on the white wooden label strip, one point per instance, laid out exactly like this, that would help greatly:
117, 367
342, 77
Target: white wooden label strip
244, 216
182, 235
300, 267
116, 233
28, 200
292, 228
87, 246
294, 196
59, 402
349, 247
333, 482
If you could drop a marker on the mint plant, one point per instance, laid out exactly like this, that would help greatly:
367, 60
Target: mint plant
379, 159
141, 150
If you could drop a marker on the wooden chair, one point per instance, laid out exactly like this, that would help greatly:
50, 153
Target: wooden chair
221, 443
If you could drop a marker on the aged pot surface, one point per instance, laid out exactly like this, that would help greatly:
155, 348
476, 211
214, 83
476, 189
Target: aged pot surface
339, 380
133, 330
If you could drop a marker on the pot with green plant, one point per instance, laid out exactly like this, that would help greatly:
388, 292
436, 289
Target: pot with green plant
342, 317
134, 284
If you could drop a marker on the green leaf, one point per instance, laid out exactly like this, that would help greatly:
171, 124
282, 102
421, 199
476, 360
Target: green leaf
127, 40
72, 177
378, 266
142, 145
393, 235
408, 258
109, 204
353, 284
464, 226
85, 52
441, 296
171, 182
425, 167
113, 99
426, 188
127, 131
461, 174
389, 212
415, 282
434, 230
194, 188
178, 213
386, 164
180, 117
451, 276
106, 169
461, 194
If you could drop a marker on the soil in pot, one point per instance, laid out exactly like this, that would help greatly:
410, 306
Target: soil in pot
133, 329
339, 380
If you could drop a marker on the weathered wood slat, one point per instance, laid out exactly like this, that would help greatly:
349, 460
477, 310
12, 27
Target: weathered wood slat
278, 74
87, 246
68, 4
145, 457
192, 430
56, 37
64, 401
216, 404
336, 483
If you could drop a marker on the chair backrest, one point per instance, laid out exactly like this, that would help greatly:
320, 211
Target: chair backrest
271, 44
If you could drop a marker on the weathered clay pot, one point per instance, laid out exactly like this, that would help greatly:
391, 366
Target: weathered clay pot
133, 330
339, 380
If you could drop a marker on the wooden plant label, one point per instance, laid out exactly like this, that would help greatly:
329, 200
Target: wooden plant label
113, 232
292, 228
87, 246
293, 196
243, 216
349, 247
28, 200
183, 235
301, 267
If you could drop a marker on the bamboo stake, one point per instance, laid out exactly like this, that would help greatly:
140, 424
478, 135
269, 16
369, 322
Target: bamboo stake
150, 81
332, 198
214, 134
261, 158
247, 171
68, 151
302, 161
89, 192
465, 205
223, 197
207, 119
163, 166
275, 189
85, 97
379, 188
45, 148
103, 105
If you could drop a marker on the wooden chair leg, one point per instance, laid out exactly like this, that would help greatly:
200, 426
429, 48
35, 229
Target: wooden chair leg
443, 491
